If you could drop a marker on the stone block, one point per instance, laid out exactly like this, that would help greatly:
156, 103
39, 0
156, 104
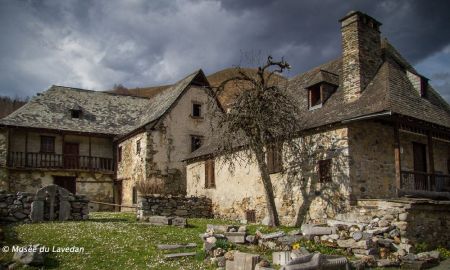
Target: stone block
351, 243
311, 229
418, 265
245, 261
181, 212
281, 258
272, 235
37, 211
160, 220
179, 222
217, 228
235, 237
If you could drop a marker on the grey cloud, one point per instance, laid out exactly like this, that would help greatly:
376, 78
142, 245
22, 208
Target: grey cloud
95, 44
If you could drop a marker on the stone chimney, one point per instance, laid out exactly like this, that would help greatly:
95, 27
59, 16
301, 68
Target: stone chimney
361, 52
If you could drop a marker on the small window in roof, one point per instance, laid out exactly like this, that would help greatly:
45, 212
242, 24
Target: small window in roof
314, 96
319, 93
75, 113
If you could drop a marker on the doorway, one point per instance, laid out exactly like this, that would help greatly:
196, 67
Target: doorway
420, 166
67, 182
71, 155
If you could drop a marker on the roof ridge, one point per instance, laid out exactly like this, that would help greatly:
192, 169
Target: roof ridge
95, 91
319, 68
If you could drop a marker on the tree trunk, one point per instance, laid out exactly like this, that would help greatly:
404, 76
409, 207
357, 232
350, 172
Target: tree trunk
268, 189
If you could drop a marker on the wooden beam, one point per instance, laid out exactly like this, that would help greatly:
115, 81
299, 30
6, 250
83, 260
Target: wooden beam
397, 156
62, 149
8, 151
26, 148
430, 158
90, 153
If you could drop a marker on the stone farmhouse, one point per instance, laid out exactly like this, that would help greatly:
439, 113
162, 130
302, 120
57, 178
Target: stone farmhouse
100, 144
374, 129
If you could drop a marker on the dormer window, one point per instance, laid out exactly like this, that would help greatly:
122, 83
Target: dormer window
76, 113
423, 86
419, 83
315, 97
318, 94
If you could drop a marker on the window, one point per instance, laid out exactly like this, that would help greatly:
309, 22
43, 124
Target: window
325, 170
274, 158
250, 216
119, 154
196, 142
314, 94
75, 113
196, 110
134, 196
47, 144
138, 146
319, 93
423, 87
209, 174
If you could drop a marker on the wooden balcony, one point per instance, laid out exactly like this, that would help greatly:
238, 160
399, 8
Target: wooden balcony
58, 161
425, 185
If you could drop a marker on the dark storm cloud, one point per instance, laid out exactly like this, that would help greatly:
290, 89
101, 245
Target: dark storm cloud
95, 44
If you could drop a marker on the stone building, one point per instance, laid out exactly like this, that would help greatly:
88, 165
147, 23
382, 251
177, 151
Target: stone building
373, 129
100, 144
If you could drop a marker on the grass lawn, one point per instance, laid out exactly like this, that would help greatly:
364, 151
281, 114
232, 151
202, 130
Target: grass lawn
111, 241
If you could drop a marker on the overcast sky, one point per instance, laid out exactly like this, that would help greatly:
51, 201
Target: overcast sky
96, 44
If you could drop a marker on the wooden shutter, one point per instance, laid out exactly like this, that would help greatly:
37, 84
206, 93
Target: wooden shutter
325, 170
250, 216
270, 166
209, 174
274, 158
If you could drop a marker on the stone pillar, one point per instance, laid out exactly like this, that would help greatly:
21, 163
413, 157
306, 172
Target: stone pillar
361, 52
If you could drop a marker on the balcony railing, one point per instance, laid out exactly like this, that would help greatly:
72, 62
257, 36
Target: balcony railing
58, 161
422, 184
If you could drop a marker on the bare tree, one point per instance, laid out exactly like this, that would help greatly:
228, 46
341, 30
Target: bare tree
262, 114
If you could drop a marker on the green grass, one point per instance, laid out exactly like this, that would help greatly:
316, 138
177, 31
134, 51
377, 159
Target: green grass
112, 241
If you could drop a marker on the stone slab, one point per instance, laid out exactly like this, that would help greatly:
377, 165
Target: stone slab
179, 255
179, 222
281, 257
236, 237
245, 261
272, 235
176, 246
160, 220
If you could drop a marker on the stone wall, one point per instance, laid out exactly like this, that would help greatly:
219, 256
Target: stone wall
296, 191
418, 220
96, 186
372, 166
180, 206
17, 207
164, 147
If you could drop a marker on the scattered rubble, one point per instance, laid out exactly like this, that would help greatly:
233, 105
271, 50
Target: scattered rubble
375, 243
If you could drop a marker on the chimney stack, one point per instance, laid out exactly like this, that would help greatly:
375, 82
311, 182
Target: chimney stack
361, 52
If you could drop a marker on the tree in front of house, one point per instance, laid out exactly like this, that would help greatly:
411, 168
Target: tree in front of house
257, 123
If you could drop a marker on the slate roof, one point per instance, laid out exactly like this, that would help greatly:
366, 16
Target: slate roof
102, 112
389, 91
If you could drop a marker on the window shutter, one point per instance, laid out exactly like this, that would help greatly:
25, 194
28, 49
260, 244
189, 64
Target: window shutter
325, 170
274, 158
270, 163
209, 174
